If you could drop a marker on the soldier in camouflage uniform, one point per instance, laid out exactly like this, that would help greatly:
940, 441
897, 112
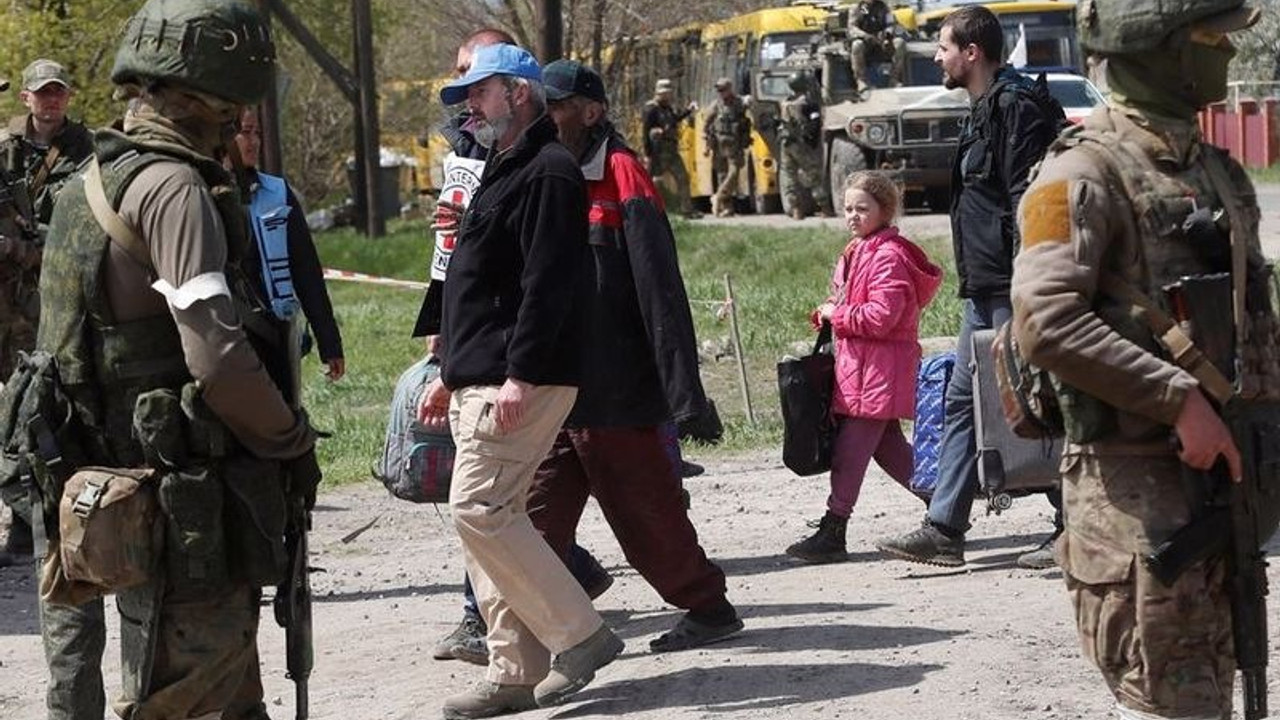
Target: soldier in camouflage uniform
801, 137
163, 344
728, 135
1112, 201
38, 152
662, 147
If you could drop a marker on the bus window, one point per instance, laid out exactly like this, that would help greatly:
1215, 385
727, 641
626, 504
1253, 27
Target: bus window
1050, 38
776, 46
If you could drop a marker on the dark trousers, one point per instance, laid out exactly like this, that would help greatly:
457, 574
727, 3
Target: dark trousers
631, 476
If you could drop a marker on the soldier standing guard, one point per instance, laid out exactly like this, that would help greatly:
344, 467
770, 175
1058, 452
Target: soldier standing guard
152, 321
662, 146
1122, 208
728, 134
801, 138
39, 150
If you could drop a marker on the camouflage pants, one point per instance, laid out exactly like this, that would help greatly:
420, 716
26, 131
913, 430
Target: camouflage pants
201, 663
729, 163
205, 660
669, 174
805, 181
1163, 650
19, 314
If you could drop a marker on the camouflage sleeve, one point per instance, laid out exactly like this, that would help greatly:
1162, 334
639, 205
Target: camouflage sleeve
1074, 227
169, 202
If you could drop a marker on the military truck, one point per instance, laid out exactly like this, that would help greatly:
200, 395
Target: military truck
910, 130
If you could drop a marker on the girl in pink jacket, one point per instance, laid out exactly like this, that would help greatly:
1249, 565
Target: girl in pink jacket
881, 283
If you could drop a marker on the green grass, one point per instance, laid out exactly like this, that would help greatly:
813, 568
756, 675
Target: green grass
778, 275
1269, 175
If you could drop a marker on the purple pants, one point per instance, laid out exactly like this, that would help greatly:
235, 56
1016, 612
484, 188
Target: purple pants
858, 440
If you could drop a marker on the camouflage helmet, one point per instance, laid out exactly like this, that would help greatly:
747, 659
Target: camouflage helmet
1123, 27
219, 47
798, 81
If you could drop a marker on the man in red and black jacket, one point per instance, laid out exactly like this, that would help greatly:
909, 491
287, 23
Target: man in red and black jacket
639, 370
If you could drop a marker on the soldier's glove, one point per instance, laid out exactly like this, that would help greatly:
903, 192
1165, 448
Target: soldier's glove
705, 426
304, 477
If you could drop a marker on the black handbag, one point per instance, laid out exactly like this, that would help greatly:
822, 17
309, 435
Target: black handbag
805, 387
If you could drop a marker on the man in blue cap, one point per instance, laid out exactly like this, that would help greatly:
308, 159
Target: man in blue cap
511, 330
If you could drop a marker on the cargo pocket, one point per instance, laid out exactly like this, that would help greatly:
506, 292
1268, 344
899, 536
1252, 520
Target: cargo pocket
1100, 580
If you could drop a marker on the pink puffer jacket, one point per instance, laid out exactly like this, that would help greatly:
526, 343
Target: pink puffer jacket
876, 324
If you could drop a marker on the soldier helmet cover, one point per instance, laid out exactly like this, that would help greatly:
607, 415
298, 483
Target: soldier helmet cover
723, 83
798, 81
1132, 26
219, 47
663, 86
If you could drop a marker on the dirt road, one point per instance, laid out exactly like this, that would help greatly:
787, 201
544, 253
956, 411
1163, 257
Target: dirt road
871, 638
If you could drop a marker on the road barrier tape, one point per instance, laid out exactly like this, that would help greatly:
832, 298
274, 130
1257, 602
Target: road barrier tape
348, 276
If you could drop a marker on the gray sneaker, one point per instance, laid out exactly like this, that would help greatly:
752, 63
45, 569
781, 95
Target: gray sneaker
1042, 558
572, 669
466, 642
489, 700
926, 544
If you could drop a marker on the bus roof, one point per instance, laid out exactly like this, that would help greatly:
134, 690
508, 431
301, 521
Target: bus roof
1001, 8
768, 21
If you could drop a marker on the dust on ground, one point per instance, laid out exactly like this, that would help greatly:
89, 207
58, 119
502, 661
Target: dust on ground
870, 638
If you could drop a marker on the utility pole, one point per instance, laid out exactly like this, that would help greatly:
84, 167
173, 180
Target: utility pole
272, 160
369, 153
551, 30
597, 33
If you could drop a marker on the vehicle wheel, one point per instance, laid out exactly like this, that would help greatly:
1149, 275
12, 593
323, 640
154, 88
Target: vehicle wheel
846, 158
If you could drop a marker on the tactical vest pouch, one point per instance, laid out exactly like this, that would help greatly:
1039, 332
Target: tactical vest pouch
196, 553
110, 529
255, 518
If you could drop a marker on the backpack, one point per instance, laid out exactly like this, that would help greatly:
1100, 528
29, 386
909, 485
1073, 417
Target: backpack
416, 463
1027, 396
926, 435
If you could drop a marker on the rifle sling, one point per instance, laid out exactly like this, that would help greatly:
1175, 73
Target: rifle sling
1184, 352
1239, 266
116, 228
42, 175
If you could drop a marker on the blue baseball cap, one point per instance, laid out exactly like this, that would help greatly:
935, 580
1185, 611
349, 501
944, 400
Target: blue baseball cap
488, 61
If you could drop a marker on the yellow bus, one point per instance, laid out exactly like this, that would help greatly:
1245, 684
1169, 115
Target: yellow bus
740, 48
1048, 26
410, 113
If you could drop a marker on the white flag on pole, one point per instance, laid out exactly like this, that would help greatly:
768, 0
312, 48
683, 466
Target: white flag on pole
1018, 58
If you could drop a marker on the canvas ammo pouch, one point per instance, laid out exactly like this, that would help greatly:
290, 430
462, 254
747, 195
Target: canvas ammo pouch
109, 527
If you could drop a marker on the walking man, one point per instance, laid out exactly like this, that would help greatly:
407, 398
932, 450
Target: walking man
728, 135
1012, 124
661, 128
512, 332
640, 371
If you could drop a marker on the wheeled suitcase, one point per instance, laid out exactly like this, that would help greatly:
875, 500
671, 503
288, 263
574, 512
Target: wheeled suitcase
1008, 465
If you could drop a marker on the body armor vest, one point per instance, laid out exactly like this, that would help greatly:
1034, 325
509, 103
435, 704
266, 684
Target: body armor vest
1183, 231
105, 364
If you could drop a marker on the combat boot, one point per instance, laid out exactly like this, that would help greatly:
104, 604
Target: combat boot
489, 700
827, 545
19, 546
797, 212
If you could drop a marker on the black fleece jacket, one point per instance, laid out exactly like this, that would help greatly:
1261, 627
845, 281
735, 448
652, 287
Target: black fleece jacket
512, 298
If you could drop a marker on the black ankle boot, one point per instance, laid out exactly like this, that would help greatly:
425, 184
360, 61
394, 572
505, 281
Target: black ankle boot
827, 545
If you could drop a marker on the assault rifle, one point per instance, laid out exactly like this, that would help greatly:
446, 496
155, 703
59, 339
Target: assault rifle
293, 603
293, 595
1230, 517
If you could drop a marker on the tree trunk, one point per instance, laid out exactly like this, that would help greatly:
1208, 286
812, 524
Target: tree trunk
551, 30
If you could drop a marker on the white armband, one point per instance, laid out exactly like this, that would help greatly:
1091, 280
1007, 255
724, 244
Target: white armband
200, 287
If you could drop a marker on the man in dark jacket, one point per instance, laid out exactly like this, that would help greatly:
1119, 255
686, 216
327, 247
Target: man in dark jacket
467, 641
640, 368
1012, 124
510, 366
